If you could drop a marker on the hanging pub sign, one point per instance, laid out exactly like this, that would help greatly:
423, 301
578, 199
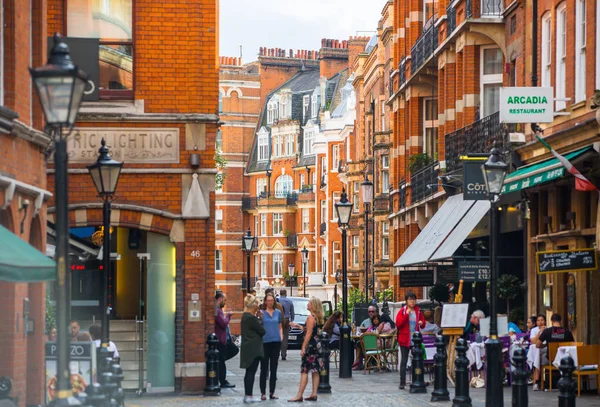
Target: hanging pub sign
474, 271
526, 105
562, 261
416, 278
474, 187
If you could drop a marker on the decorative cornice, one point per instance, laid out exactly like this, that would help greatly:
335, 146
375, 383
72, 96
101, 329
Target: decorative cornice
30, 134
7, 118
148, 117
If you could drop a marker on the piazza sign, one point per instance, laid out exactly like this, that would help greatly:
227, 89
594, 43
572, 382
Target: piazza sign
526, 105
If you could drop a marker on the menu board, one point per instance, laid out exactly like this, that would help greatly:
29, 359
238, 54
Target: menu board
82, 366
454, 315
501, 322
474, 271
416, 278
562, 261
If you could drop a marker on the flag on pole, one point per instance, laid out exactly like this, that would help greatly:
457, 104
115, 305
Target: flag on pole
581, 182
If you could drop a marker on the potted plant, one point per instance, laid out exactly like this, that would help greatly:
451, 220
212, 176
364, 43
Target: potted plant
509, 288
418, 161
439, 293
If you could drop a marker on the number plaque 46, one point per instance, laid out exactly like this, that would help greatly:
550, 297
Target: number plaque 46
195, 253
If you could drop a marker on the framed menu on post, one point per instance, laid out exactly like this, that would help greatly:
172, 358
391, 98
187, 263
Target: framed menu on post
454, 316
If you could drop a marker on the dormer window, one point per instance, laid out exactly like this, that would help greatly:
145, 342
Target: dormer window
309, 139
285, 106
305, 107
314, 105
272, 111
263, 144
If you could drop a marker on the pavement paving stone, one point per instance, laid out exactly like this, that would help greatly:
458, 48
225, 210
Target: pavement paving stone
373, 390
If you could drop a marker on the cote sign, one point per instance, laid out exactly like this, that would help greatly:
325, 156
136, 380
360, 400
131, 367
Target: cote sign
526, 105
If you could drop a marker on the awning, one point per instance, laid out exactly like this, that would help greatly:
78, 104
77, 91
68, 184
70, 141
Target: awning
22, 263
455, 214
538, 173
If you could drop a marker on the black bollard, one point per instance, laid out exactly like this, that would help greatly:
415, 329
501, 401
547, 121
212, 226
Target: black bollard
461, 371
324, 386
212, 367
566, 384
520, 397
95, 395
105, 378
418, 370
440, 392
117, 377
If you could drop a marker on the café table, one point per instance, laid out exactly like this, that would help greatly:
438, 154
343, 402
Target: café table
475, 354
563, 351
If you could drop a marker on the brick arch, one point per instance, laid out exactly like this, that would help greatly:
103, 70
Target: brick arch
235, 89
138, 218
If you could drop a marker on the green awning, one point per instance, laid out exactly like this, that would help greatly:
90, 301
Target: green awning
22, 263
538, 173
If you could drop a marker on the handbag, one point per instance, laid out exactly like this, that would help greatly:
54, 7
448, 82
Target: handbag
232, 349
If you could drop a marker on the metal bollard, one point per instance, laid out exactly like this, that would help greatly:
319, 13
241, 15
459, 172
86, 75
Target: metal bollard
566, 384
324, 386
440, 392
212, 367
117, 377
461, 371
95, 395
418, 370
520, 397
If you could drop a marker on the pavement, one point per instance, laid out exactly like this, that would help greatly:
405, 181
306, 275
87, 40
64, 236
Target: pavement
375, 389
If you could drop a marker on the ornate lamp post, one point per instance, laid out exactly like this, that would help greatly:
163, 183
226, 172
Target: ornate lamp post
60, 86
291, 275
269, 172
105, 173
304, 266
344, 209
494, 171
248, 242
366, 192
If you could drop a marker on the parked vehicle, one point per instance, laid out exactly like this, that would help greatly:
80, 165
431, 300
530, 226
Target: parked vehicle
296, 335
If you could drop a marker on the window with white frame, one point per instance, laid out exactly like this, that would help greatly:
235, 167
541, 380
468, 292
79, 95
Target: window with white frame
263, 144
428, 10
263, 265
263, 224
385, 240
546, 49
335, 158
336, 261
335, 199
382, 118
309, 139
290, 149
261, 187
305, 220
272, 110
256, 224
283, 186
220, 102
284, 106
256, 265
277, 224
305, 107
277, 146
491, 80
314, 105
355, 244
430, 127
218, 260
356, 194
324, 259
323, 211
219, 220
580, 44
561, 55
302, 181
385, 174
277, 265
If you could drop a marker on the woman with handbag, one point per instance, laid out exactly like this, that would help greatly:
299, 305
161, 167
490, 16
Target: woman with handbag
252, 352
408, 321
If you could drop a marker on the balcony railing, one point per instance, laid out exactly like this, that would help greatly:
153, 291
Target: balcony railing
323, 181
492, 8
423, 182
469, 12
249, 203
402, 71
291, 199
477, 137
322, 228
451, 22
402, 197
292, 240
306, 189
424, 47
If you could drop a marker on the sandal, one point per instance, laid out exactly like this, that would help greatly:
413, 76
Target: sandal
273, 397
295, 401
263, 397
311, 398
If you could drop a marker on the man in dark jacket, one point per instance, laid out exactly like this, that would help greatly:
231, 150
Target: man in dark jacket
222, 332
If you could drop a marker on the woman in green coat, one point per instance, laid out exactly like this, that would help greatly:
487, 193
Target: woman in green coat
251, 352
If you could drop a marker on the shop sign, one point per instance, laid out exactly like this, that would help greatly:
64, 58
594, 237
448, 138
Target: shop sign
416, 278
82, 364
474, 187
474, 271
133, 146
562, 261
526, 105
533, 180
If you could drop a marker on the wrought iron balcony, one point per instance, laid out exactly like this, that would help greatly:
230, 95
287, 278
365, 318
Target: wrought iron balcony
323, 228
451, 22
469, 7
493, 8
292, 240
422, 180
291, 198
402, 194
249, 203
424, 47
402, 71
477, 137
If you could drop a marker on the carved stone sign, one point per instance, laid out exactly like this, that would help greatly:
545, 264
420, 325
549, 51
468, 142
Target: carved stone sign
133, 146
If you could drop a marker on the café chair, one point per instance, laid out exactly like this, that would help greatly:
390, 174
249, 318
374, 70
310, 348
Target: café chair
373, 354
588, 361
552, 349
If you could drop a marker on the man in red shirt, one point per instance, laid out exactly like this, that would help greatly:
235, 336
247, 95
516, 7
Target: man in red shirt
408, 321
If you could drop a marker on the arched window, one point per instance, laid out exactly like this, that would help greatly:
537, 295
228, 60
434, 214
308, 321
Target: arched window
283, 186
220, 102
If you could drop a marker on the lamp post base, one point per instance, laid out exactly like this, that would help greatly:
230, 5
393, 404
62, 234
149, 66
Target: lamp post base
345, 352
494, 392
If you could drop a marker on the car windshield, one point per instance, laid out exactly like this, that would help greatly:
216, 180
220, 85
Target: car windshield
300, 307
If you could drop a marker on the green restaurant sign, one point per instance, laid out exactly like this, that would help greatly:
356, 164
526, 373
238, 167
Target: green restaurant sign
530, 181
526, 105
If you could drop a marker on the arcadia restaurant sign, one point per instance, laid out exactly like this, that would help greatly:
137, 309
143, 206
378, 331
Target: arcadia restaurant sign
526, 105
134, 146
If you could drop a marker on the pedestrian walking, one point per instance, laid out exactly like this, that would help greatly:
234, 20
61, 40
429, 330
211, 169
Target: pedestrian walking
252, 351
272, 321
222, 332
311, 352
408, 321
96, 333
288, 316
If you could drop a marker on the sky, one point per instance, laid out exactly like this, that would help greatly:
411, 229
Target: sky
292, 24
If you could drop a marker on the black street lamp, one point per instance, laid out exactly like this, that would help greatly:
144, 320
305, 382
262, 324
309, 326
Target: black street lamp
291, 275
344, 209
248, 242
366, 192
60, 85
269, 173
494, 171
105, 173
304, 266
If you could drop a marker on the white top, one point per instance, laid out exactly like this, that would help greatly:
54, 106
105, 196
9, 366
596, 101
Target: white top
111, 347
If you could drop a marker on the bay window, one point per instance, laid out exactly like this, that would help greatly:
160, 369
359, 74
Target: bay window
491, 80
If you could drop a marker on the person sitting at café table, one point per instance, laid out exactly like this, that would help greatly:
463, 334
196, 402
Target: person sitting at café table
473, 324
372, 310
332, 327
554, 333
430, 327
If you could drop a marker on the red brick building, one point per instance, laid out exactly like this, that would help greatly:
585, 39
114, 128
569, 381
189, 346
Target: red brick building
23, 201
153, 96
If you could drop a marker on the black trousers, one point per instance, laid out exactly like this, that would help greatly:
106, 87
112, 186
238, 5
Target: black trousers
222, 368
249, 376
271, 359
403, 362
286, 334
